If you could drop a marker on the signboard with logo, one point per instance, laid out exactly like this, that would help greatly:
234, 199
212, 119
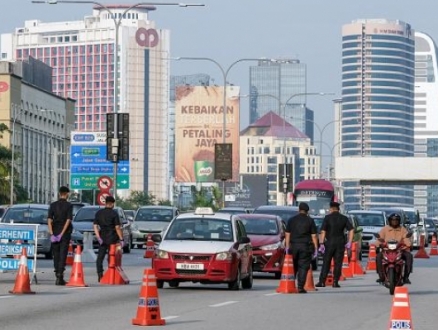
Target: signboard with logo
250, 192
88, 162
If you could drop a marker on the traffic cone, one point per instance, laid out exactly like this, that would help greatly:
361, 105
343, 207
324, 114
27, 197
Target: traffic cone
356, 266
287, 281
150, 247
310, 284
18, 256
329, 279
77, 271
433, 247
371, 263
114, 274
400, 317
148, 309
421, 253
70, 255
346, 271
22, 281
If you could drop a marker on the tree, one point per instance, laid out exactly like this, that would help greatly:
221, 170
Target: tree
205, 197
164, 202
141, 198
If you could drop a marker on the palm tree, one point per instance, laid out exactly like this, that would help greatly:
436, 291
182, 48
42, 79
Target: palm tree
5, 170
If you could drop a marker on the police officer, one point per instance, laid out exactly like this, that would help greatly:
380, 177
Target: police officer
107, 228
60, 228
300, 233
333, 230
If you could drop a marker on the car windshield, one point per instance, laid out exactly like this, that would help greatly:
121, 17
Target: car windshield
86, 214
412, 216
285, 215
368, 219
27, 215
151, 214
261, 226
196, 229
429, 224
318, 222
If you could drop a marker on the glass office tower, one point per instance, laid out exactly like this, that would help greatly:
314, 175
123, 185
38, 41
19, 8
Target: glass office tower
377, 116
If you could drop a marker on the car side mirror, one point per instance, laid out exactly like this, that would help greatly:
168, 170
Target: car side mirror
244, 240
156, 238
130, 218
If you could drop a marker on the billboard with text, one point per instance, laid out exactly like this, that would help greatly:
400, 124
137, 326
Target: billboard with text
199, 125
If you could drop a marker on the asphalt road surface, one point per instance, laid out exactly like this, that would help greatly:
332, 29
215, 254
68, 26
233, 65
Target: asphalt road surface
359, 304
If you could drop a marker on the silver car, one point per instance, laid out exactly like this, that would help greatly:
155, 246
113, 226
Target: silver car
32, 214
152, 219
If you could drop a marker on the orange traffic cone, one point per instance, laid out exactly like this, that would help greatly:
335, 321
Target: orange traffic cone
421, 251
329, 279
433, 247
70, 255
148, 309
356, 266
150, 247
310, 284
114, 274
401, 311
77, 271
371, 263
287, 282
18, 256
346, 271
22, 281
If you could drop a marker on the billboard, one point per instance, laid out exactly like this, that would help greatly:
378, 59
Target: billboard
250, 192
199, 125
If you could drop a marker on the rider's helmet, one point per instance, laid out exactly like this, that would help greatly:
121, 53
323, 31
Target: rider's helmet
394, 220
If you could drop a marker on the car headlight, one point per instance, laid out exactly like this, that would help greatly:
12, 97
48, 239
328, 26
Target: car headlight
224, 256
43, 234
274, 246
161, 254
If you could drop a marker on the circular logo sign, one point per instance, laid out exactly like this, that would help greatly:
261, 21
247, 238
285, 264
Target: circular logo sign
104, 183
101, 197
146, 37
4, 86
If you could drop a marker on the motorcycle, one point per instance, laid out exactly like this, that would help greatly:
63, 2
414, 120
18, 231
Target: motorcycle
392, 262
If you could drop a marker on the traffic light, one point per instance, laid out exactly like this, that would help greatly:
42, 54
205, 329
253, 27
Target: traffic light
117, 149
285, 182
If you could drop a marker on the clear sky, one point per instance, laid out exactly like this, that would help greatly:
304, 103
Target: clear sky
227, 30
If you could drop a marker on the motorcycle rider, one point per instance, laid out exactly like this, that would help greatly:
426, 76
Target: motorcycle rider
394, 231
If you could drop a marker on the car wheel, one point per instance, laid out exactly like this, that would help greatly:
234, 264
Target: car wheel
160, 284
247, 281
235, 285
173, 284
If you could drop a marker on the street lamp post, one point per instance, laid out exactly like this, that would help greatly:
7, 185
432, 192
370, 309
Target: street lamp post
117, 23
224, 104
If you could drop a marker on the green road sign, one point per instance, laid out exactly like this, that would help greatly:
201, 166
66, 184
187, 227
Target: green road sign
89, 181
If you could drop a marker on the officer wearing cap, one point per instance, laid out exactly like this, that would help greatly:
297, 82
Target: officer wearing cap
300, 234
333, 243
107, 228
60, 228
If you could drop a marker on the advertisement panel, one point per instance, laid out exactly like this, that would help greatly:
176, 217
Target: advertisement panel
199, 125
250, 192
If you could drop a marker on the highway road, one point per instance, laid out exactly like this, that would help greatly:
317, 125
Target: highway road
359, 304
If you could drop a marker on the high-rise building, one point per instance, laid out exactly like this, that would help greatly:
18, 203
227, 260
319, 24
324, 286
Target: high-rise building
377, 116
426, 115
82, 55
280, 86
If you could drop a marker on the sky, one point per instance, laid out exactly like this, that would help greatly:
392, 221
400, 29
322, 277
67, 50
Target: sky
228, 30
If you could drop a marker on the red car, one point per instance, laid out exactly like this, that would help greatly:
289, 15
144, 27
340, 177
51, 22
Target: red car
267, 239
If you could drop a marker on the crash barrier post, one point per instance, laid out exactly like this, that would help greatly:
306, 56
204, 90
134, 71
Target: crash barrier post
27, 234
433, 247
114, 274
372, 262
70, 255
356, 265
148, 308
346, 271
22, 281
310, 284
88, 254
400, 317
421, 253
77, 270
287, 281
150, 247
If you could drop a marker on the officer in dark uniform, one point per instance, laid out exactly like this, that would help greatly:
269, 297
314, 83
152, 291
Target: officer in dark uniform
107, 228
300, 234
60, 228
333, 230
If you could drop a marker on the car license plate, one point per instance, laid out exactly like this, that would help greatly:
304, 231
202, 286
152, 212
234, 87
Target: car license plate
190, 266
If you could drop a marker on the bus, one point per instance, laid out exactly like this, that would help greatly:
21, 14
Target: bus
317, 193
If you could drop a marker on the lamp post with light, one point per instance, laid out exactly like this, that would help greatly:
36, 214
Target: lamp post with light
117, 23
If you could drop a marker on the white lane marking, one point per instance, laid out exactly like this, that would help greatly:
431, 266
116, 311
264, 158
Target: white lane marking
170, 317
5, 297
272, 294
224, 304
77, 287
